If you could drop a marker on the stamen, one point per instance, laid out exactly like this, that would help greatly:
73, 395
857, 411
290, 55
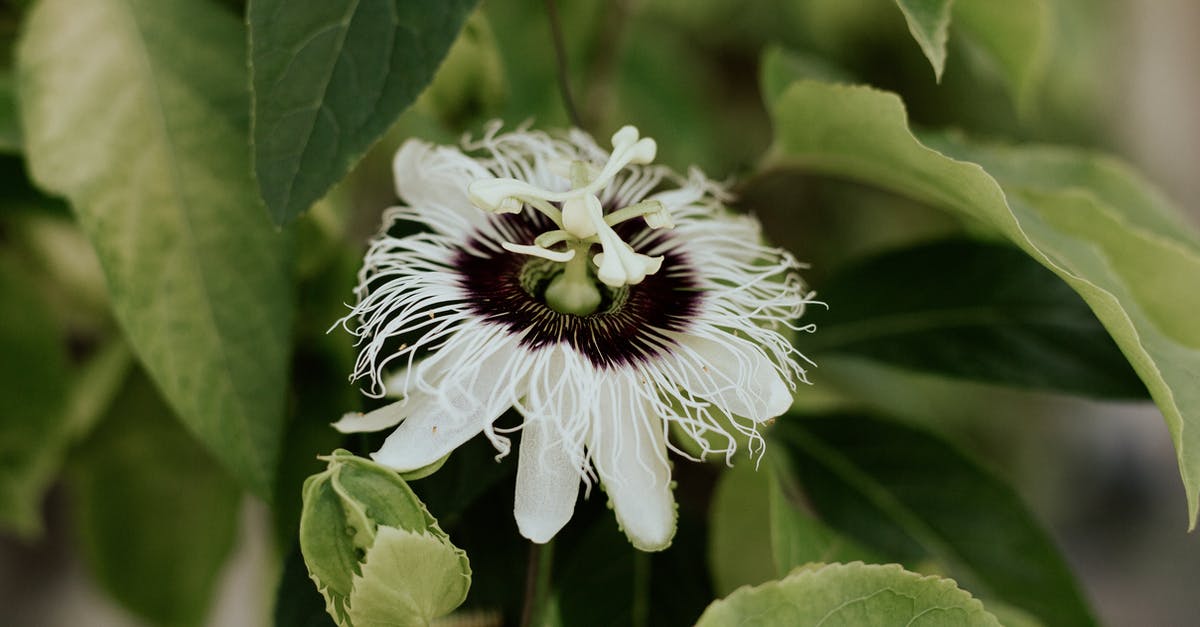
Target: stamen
538, 251
654, 211
582, 221
550, 238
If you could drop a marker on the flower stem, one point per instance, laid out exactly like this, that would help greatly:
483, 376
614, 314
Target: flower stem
537, 583
641, 590
560, 56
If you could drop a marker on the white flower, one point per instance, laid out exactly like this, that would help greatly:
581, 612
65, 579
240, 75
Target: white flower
501, 299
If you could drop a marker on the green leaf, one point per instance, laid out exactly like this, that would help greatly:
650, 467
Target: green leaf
329, 78
408, 578
159, 178
913, 497
155, 515
851, 595
1136, 277
1014, 35
929, 23
971, 310
33, 416
780, 67
740, 551
798, 537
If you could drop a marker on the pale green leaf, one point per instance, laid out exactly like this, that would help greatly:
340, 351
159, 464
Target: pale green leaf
1138, 280
850, 595
33, 381
1014, 35
408, 578
929, 23
739, 538
159, 178
329, 78
155, 514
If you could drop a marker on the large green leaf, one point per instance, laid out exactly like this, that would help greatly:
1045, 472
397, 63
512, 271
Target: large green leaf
1135, 267
155, 514
135, 111
329, 78
971, 310
850, 595
33, 381
929, 23
913, 497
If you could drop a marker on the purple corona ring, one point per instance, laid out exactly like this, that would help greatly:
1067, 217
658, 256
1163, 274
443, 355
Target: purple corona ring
616, 305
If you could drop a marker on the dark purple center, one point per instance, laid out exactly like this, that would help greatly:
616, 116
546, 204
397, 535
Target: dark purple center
506, 288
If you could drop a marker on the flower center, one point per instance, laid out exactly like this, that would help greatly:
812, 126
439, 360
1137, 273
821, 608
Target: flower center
569, 288
582, 224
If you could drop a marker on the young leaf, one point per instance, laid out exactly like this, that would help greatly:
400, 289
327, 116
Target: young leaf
408, 578
929, 23
159, 178
156, 516
971, 310
850, 594
912, 497
1137, 280
33, 416
355, 506
329, 78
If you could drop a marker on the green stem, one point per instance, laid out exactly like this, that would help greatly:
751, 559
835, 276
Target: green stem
537, 583
641, 589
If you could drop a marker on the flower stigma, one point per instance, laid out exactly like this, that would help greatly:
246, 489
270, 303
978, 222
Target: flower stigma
582, 223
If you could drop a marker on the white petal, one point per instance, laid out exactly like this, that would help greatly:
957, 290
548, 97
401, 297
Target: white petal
732, 374
547, 482
630, 453
433, 180
469, 398
387, 416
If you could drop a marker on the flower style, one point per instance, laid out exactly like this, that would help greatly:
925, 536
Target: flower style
604, 298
